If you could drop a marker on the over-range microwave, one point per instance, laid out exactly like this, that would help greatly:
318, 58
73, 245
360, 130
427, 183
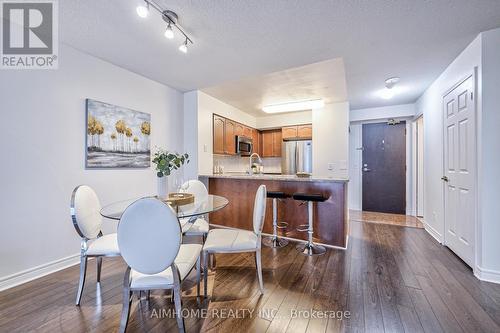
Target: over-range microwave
244, 145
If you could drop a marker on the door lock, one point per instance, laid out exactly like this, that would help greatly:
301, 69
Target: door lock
445, 179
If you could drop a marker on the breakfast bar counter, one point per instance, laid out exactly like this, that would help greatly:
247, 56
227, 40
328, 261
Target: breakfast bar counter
330, 217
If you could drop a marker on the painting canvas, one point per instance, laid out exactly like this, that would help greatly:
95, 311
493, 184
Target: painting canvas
117, 137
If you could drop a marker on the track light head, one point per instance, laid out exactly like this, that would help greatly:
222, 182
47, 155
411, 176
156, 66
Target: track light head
169, 33
183, 48
143, 10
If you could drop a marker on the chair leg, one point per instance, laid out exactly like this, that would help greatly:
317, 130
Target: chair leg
177, 299
258, 264
83, 272
205, 274
99, 266
198, 276
127, 300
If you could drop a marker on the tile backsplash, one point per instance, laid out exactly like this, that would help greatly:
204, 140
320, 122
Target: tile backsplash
240, 164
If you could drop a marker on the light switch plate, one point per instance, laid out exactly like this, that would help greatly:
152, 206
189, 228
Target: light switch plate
330, 166
205, 148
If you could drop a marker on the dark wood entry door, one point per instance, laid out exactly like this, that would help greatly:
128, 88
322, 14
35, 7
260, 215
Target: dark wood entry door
384, 168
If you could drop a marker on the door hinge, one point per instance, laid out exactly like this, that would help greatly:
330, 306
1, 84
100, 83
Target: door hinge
471, 96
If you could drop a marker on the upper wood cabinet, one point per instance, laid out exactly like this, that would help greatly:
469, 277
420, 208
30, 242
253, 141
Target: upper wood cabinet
230, 138
256, 141
304, 131
219, 127
277, 142
297, 132
289, 132
247, 132
238, 129
271, 143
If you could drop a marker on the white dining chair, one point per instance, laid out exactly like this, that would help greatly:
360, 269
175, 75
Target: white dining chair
238, 241
87, 220
200, 226
149, 237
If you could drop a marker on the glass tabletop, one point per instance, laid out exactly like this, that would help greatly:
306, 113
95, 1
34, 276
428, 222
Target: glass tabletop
202, 206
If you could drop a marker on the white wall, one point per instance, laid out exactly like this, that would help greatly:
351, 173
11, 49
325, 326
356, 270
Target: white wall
489, 159
331, 140
385, 112
284, 119
430, 105
43, 130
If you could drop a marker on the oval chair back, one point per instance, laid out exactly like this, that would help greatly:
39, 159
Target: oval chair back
197, 188
149, 236
259, 209
85, 212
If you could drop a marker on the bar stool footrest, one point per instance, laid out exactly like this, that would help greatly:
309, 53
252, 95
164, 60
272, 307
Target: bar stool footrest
275, 242
303, 227
281, 225
310, 249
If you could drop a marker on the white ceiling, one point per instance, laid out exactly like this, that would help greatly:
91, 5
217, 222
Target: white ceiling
236, 39
321, 80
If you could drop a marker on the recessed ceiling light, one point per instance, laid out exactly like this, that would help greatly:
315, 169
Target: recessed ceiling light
294, 106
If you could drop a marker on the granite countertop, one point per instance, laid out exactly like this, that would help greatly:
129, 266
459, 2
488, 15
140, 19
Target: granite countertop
276, 177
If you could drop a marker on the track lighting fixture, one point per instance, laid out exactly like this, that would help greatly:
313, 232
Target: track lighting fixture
170, 17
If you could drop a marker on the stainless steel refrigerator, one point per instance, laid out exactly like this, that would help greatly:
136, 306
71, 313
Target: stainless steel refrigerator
296, 156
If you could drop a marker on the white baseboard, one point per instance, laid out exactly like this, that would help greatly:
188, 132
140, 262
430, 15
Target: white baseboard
36, 272
487, 275
433, 232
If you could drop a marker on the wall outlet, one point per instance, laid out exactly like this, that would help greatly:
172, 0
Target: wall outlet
330, 166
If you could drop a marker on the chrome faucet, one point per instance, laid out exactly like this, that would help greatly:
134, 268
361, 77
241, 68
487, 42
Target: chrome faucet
250, 163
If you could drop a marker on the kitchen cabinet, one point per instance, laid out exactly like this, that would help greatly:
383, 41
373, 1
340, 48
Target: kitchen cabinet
271, 143
247, 132
229, 138
238, 129
256, 141
304, 131
297, 132
218, 132
289, 132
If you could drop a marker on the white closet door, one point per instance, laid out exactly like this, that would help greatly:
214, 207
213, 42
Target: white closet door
459, 164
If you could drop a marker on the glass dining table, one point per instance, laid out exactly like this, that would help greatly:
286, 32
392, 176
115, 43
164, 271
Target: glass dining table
185, 213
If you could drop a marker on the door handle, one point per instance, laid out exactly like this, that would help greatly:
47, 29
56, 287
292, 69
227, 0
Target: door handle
366, 169
445, 179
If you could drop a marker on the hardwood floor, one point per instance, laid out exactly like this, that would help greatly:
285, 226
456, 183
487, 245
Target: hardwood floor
390, 279
385, 218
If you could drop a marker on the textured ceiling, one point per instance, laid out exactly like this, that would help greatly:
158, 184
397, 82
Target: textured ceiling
236, 39
322, 80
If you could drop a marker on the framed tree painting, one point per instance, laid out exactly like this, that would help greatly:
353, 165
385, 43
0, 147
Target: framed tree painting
117, 137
